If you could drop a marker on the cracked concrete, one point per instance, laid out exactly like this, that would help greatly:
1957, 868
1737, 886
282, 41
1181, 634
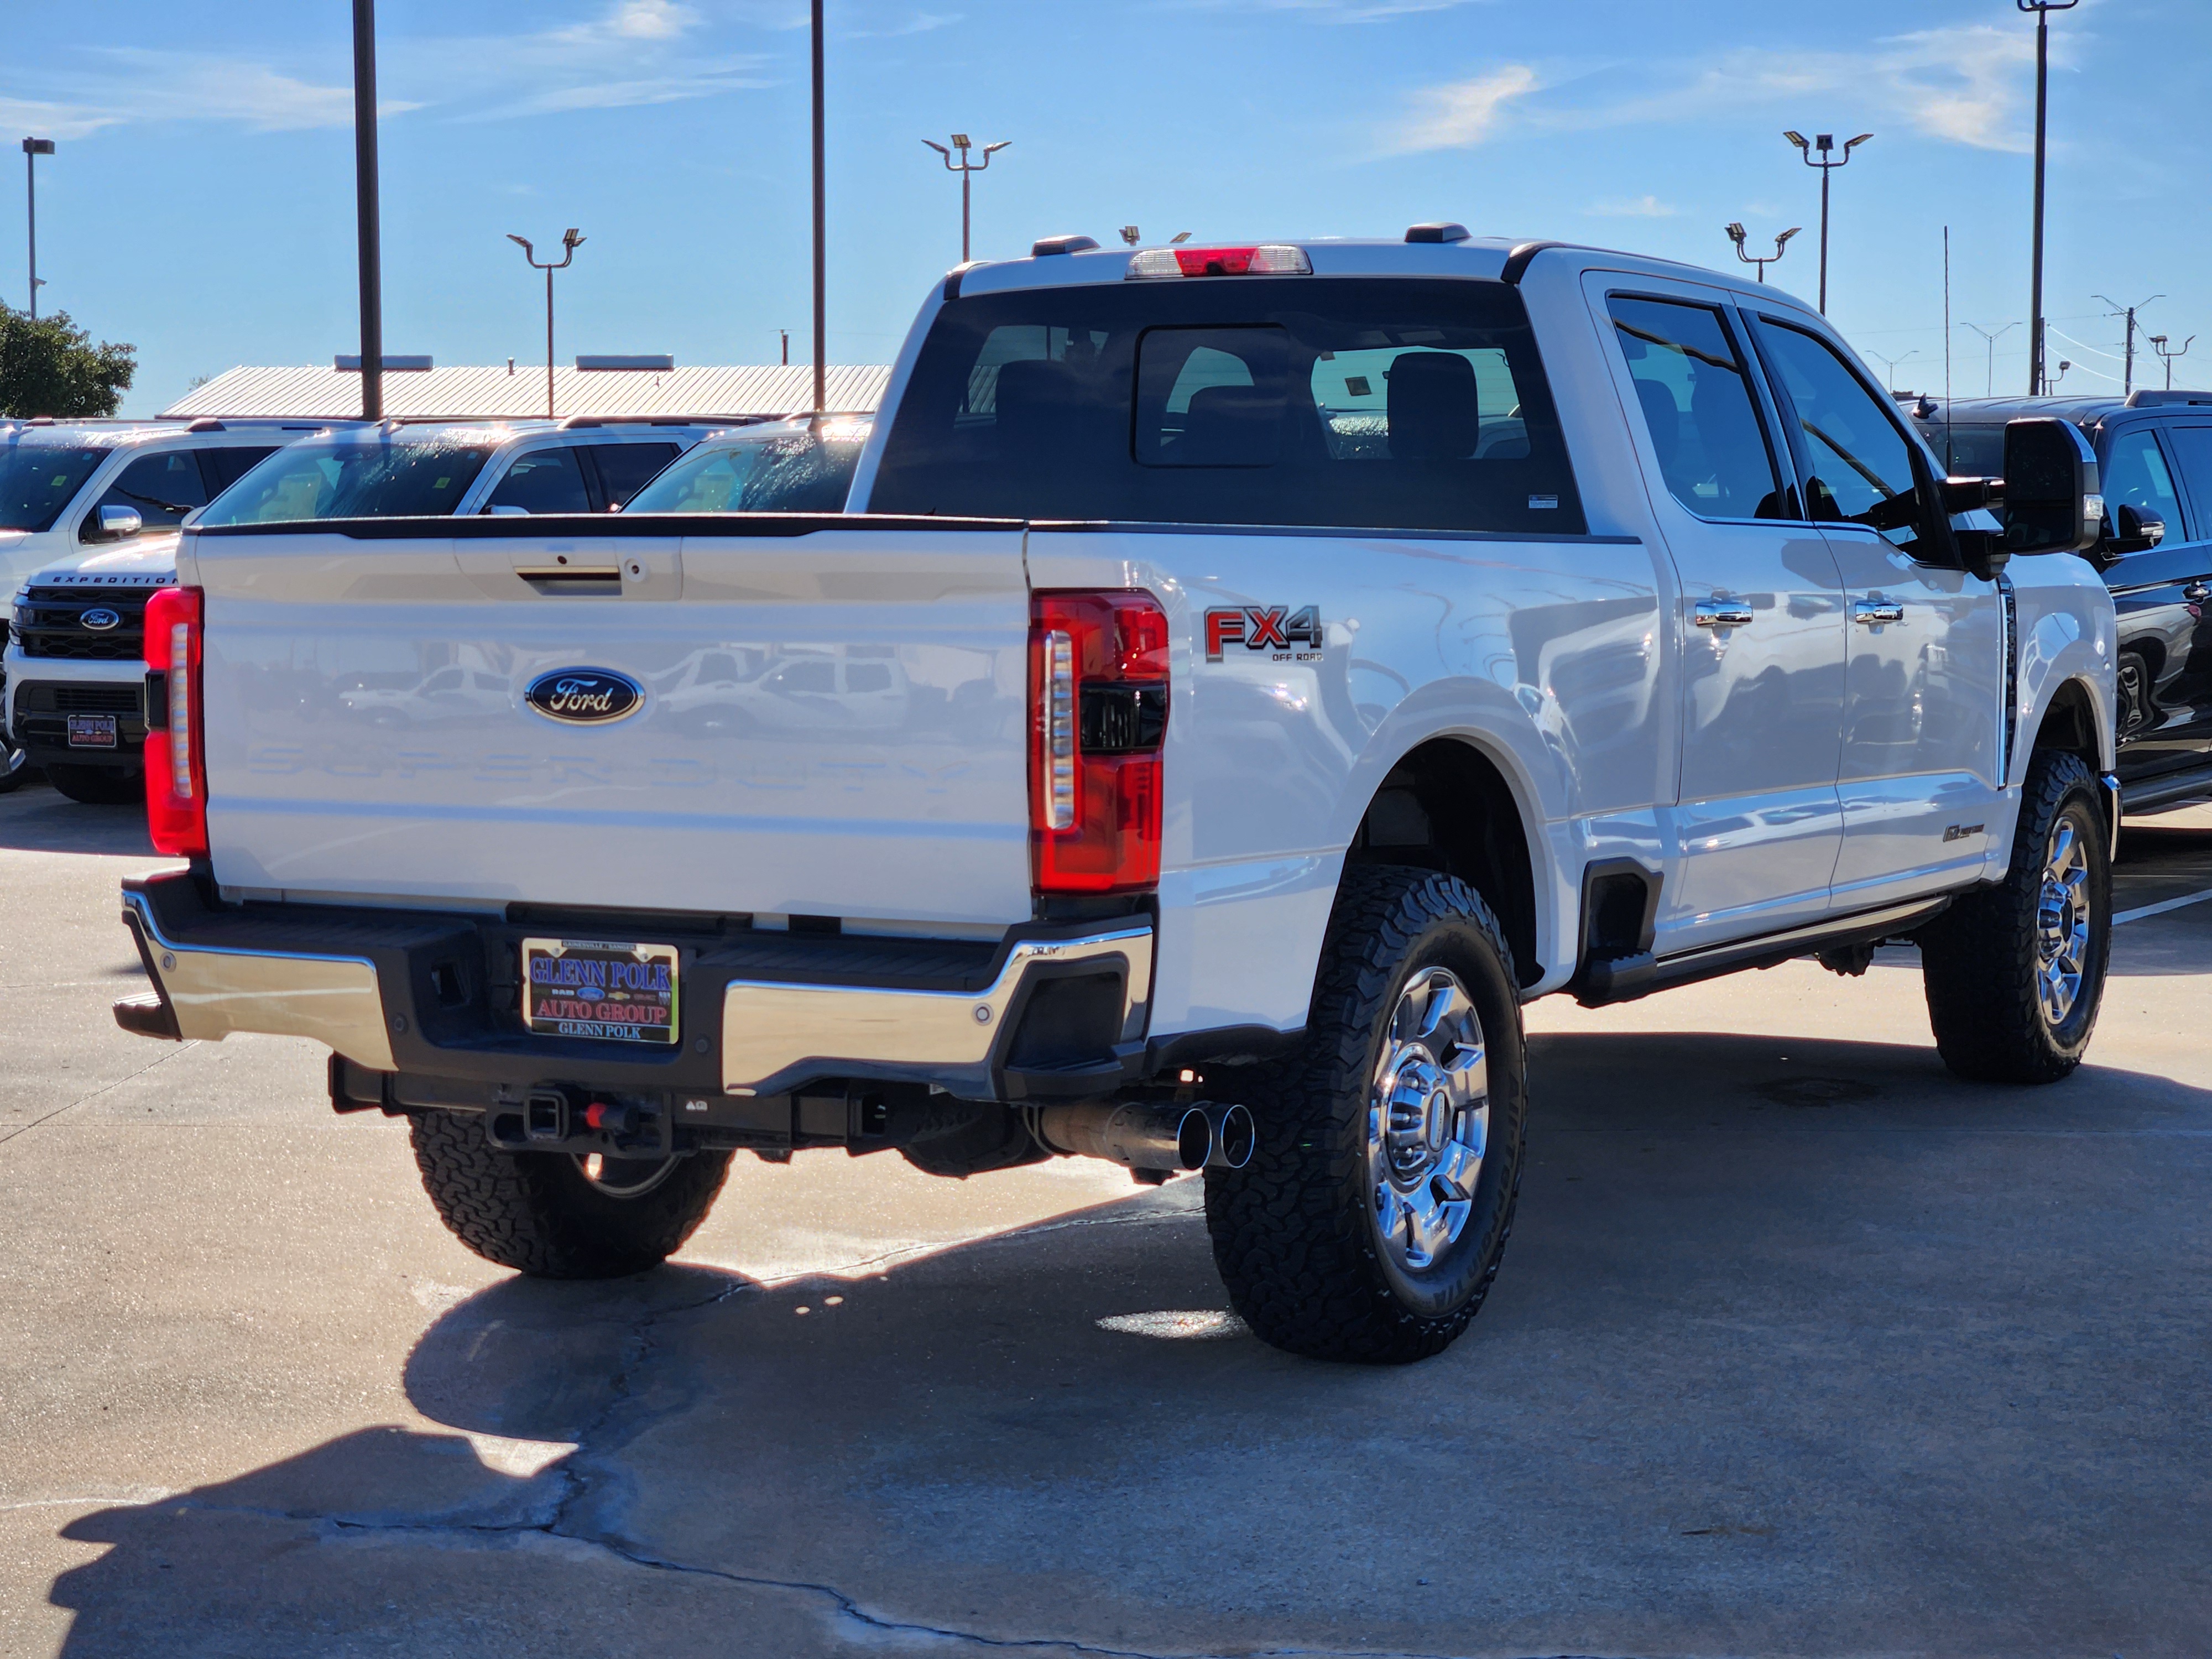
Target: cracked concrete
1800, 1348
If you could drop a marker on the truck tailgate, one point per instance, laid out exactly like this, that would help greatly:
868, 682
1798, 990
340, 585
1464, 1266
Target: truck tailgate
832, 720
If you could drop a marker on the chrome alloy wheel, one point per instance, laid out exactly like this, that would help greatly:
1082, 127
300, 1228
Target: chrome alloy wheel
2062, 923
624, 1177
1428, 1119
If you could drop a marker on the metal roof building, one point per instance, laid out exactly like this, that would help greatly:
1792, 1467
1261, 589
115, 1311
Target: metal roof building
467, 393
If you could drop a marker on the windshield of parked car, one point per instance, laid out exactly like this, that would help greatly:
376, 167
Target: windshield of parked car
394, 476
783, 469
37, 481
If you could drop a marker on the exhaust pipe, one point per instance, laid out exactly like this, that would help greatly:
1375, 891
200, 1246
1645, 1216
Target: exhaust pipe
1137, 1134
1235, 1135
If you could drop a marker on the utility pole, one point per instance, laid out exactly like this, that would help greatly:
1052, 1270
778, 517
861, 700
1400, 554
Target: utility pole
1736, 234
2128, 372
821, 252
368, 242
1990, 373
1826, 142
2158, 344
34, 148
784, 334
2042, 8
572, 238
965, 168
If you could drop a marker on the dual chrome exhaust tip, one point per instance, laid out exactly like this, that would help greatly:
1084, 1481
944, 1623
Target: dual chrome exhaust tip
1144, 1135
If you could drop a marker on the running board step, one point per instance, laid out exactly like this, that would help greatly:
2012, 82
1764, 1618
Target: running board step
1624, 979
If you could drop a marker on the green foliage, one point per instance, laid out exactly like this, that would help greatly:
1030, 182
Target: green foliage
51, 367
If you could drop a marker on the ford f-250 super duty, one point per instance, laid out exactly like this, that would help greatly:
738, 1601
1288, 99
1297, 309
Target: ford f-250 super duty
1247, 676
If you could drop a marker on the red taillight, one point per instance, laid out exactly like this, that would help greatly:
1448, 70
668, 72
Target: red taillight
1098, 685
1264, 259
176, 746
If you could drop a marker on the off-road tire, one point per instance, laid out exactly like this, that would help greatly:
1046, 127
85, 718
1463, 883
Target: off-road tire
1294, 1231
99, 786
534, 1212
1978, 959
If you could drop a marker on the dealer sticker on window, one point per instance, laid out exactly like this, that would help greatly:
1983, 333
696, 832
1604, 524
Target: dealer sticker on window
591, 988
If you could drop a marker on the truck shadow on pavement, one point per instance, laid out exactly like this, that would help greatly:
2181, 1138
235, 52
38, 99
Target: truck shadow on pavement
1799, 1346
36, 820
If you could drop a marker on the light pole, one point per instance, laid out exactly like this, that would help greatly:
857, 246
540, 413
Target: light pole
1825, 143
2158, 344
1890, 365
1736, 234
821, 246
2128, 372
367, 242
34, 148
572, 238
2042, 8
1990, 373
964, 167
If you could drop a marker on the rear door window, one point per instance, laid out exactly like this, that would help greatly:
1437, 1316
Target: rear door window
2136, 474
1384, 404
222, 468
544, 481
1699, 409
2192, 453
624, 468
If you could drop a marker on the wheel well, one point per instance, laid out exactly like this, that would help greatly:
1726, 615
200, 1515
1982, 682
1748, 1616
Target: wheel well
2070, 724
1445, 806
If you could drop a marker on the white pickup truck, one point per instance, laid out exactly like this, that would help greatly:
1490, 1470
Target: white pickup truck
1248, 674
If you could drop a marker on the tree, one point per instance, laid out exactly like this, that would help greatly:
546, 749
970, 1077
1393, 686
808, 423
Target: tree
49, 366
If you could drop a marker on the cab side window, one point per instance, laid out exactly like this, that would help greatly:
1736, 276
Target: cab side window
160, 489
2136, 474
624, 469
549, 481
1861, 464
1699, 406
2192, 453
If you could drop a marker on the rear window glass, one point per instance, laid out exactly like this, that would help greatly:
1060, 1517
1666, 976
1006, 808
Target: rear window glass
785, 471
1368, 404
380, 478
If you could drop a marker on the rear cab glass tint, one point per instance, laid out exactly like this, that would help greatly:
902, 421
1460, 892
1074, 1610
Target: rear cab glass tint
1352, 402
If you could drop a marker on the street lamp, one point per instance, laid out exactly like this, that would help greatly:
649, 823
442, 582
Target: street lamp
572, 238
1736, 234
1890, 366
964, 167
368, 245
34, 148
2158, 344
2051, 383
1989, 373
1825, 143
2042, 8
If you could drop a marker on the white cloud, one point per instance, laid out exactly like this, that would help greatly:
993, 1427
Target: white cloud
1344, 11
1965, 84
1641, 207
45, 120
1464, 112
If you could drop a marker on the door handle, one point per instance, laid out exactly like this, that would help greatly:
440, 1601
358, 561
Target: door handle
1724, 613
1873, 613
2198, 593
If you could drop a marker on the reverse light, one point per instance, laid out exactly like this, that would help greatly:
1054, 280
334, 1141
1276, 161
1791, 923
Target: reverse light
175, 757
1267, 259
1099, 681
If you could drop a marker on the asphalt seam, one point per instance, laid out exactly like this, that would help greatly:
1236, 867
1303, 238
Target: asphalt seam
159, 1059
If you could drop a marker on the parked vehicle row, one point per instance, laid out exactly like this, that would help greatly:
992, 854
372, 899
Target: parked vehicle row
1245, 675
91, 510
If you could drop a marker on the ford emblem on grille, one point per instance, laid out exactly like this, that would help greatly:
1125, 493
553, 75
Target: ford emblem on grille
585, 696
101, 619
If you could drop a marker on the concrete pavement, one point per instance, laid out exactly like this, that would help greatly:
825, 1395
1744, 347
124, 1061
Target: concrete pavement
1800, 1347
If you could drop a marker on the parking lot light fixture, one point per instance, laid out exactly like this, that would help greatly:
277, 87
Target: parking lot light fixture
965, 168
1736, 234
2042, 8
1826, 144
34, 148
571, 239
1890, 366
1989, 337
2158, 344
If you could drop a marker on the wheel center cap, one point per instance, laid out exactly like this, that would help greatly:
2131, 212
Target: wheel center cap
1420, 1117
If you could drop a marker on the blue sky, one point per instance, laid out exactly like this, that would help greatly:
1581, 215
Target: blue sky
201, 204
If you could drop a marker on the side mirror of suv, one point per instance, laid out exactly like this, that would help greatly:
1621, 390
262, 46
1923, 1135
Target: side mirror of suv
2133, 530
2051, 498
117, 523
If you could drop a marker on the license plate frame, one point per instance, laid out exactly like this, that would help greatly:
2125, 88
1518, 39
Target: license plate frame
603, 991
93, 731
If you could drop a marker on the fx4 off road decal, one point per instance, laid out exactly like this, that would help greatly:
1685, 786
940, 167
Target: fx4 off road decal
1275, 628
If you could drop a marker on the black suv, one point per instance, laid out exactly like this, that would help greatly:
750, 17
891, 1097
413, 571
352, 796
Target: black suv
2154, 455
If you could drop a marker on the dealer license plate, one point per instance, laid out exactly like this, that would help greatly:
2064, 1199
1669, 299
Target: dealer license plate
582, 987
92, 731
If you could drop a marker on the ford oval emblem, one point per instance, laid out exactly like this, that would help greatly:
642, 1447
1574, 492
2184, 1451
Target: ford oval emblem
585, 696
99, 619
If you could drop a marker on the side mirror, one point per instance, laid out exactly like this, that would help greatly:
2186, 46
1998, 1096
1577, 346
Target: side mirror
506, 510
2051, 498
118, 522
2134, 530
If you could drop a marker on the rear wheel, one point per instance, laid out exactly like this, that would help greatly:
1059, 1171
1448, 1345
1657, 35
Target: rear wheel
1372, 1216
99, 786
555, 1216
16, 768
2014, 972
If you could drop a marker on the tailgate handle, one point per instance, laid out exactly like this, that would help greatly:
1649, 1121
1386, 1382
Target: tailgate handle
557, 577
